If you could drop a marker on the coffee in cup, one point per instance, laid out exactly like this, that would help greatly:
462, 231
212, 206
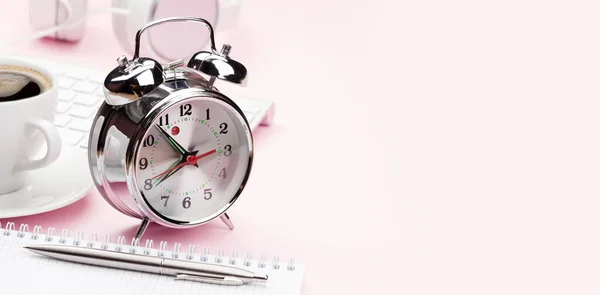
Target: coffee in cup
18, 84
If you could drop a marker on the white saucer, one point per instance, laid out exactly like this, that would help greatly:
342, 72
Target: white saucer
51, 187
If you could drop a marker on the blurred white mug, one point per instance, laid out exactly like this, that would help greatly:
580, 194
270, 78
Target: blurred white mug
28, 97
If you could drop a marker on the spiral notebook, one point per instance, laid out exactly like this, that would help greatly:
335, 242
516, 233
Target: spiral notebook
23, 272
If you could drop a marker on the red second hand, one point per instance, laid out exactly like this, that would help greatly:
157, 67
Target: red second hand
202, 156
191, 160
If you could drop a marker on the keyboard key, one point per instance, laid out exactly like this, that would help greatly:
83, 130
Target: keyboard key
66, 95
99, 79
248, 109
80, 111
62, 120
56, 70
81, 124
62, 107
79, 75
87, 100
100, 92
84, 142
69, 136
65, 83
85, 87
249, 117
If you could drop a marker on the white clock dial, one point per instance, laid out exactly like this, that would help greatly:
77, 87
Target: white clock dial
193, 160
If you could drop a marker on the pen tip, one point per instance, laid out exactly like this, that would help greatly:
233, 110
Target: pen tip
261, 277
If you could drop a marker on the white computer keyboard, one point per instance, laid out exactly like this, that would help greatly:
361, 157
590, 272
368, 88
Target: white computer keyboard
80, 95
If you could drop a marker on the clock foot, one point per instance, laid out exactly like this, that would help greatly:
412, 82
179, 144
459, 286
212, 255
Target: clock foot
225, 218
142, 228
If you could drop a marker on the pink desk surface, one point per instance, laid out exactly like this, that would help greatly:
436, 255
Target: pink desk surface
419, 147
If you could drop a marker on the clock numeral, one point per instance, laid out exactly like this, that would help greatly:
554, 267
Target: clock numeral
223, 173
207, 194
223, 127
143, 163
207, 114
185, 109
227, 152
187, 202
166, 120
148, 184
149, 141
166, 198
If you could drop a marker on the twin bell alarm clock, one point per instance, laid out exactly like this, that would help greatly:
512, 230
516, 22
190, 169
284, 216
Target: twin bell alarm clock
166, 146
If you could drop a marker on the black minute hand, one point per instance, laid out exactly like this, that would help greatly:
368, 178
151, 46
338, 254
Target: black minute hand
173, 143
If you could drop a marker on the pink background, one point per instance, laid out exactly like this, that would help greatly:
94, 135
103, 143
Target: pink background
419, 147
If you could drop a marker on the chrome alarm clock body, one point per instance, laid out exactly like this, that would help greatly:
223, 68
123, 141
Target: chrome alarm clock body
166, 146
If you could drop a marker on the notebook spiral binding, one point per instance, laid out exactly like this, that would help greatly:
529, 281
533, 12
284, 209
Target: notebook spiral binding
134, 247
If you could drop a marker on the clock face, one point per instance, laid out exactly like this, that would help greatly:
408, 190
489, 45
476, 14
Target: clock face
193, 160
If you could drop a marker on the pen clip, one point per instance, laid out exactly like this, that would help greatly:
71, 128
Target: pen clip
210, 279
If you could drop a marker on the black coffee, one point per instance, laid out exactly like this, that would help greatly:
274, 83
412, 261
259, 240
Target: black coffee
15, 86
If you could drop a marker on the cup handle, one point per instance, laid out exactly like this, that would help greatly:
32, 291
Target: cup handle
53, 143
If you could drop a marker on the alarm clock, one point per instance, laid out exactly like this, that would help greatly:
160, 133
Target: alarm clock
166, 146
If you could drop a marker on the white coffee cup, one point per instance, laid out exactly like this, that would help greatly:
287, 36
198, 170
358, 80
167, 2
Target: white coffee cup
26, 128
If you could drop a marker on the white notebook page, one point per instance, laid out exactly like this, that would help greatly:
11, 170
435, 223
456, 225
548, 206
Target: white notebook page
24, 272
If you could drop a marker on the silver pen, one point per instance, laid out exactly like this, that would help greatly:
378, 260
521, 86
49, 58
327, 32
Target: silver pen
180, 269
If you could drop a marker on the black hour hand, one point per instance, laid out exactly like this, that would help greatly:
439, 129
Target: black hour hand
172, 142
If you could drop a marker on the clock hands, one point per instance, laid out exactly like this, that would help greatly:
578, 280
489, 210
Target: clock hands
173, 143
191, 160
178, 148
168, 171
187, 158
174, 168
203, 155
